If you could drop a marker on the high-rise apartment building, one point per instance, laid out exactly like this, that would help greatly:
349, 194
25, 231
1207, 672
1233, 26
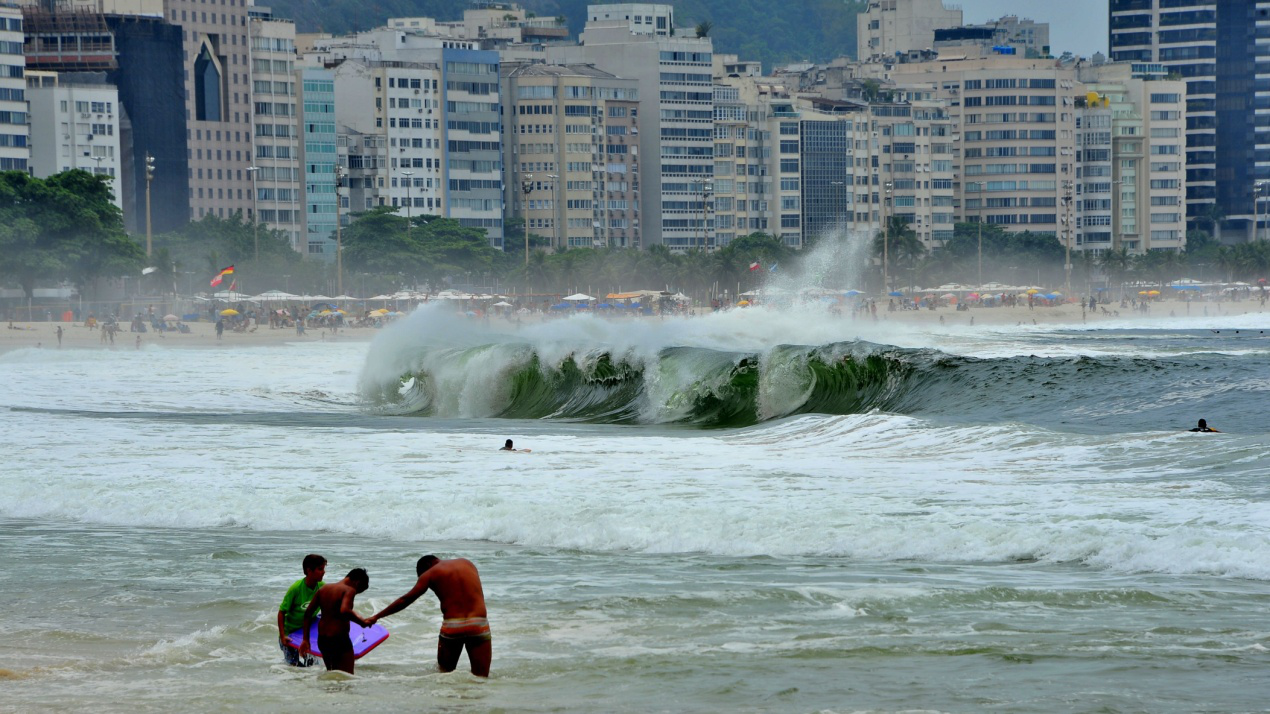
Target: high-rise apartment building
1130, 168
1217, 48
218, 104
1015, 118
890, 27
315, 102
275, 174
74, 125
15, 134
676, 113
571, 135
446, 113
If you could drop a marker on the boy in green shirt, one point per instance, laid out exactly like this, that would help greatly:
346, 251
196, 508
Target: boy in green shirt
291, 611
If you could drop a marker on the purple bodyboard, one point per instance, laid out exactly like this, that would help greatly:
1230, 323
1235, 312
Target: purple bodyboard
364, 639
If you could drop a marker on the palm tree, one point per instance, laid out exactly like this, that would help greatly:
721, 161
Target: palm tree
704, 27
1115, 264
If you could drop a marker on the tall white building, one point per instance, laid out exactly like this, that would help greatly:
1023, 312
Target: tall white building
275, 172
74, 125
15, 151
676, 113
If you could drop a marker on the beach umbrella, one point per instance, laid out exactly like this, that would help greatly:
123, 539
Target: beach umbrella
973, 296
230, 311
743, 303
1153, 292
851, 293
502, 303
896, 293
1142, 292
170, 318
1032, 291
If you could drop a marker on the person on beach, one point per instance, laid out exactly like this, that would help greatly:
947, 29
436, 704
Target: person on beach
59, 335
220, 328
1203, 426
336, 603
464, 623
294, 603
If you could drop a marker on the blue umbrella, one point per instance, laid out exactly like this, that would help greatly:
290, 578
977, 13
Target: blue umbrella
853, 293
561, 306
1186, 287
896, 293
605, 306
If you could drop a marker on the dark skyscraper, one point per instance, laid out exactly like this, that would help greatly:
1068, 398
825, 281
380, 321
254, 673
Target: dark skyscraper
1212, 45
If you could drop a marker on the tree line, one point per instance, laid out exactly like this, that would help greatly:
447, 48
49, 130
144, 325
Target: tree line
65, 230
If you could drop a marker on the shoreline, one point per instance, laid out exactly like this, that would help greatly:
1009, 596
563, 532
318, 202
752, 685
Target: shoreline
202, 335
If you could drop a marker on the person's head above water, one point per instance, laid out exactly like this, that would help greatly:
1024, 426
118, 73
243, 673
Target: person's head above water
508, 445
1203, 424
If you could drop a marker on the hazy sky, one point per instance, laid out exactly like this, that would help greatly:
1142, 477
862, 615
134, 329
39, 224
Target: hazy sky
1078, 26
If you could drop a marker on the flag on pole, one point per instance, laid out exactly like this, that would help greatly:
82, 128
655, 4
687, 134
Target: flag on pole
754, 266
233, 286
219, 276
773, 268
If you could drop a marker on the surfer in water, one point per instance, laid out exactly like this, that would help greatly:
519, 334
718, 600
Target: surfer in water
464, 623
507, 446
336, 602
1203, 426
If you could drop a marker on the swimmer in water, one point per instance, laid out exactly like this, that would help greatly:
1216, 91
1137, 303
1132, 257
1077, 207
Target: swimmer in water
1203, 426
507, 446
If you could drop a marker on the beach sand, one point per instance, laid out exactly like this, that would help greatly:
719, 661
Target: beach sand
203, 334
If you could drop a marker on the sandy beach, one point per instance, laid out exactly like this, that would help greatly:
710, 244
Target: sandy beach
203, 334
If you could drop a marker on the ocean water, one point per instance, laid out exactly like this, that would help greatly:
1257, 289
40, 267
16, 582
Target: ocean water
755, 511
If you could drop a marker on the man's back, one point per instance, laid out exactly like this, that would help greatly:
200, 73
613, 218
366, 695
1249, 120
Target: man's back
330, 598
458, 587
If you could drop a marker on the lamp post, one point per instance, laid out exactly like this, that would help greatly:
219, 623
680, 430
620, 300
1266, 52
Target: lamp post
555, 215
408, 174
982, 199
1257, 189
339, 244
886, 238
149, 178
1068, 187
707, 188
526, 186
255, 212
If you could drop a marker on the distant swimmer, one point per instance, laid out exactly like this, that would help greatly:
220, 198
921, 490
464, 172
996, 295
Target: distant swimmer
464, 623
1203, 426
507, 446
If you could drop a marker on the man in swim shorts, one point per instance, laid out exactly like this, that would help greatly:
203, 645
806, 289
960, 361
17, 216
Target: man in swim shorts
465, 623
336, 602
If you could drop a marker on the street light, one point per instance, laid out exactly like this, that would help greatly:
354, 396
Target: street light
555, 215
1257, 187
408, 174
255, 212
1068, 187
706, 188
149, 178
339, 244
982, 200
526, 186
886, 238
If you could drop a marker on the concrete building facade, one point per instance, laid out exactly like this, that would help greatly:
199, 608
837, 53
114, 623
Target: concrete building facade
675, 113
571, 135
75, 125
888, 27
275, 174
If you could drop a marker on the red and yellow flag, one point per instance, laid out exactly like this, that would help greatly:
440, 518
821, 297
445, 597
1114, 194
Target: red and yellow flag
221, 275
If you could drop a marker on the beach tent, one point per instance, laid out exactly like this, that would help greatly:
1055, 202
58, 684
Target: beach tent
275, 295
502, 303
578, 297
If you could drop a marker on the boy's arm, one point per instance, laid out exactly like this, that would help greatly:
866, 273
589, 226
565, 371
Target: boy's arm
403, 602
346, 608
282, 632
308, 620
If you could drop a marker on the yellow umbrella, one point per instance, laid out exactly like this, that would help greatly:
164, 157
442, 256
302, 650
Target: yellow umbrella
1153, 292
1033, 291
326, 312
380, 311
743, 303
230, 311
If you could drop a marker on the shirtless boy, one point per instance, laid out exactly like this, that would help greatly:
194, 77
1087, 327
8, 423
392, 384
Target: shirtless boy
336, 602
464, 619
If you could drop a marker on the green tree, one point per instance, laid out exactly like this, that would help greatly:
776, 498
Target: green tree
63, 228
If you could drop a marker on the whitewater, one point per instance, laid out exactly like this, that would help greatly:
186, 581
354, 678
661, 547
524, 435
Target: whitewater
756, 510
